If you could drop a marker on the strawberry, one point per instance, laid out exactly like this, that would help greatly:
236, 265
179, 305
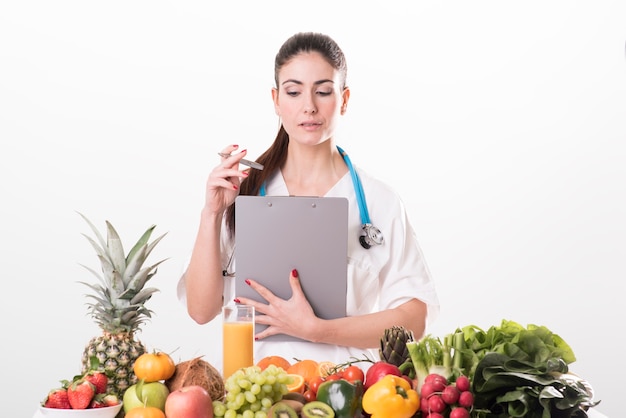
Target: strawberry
57, 398
102, 400
97, 402
99, 380
80, 393
110, 400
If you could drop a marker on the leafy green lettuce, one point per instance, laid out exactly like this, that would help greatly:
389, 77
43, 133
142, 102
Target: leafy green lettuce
510, 387
522, 371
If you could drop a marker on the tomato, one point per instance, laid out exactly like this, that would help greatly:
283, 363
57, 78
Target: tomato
378, 370
334, 376
152, 367
310, 396
353, 373
315, 383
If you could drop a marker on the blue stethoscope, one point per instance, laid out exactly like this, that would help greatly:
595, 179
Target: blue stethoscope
371, 235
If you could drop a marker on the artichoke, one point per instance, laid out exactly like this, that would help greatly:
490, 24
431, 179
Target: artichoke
393, 347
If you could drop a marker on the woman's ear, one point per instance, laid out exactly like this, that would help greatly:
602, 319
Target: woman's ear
275, 100
345, 97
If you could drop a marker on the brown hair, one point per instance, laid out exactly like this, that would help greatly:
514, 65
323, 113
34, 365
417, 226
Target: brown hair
274, 157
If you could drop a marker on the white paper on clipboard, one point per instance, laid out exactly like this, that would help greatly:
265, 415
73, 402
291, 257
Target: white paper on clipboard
276, 234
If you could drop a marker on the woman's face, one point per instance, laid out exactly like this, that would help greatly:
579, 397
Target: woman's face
309, 98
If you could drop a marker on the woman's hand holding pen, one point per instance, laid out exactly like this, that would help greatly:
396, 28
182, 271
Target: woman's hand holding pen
293, 316
223, 183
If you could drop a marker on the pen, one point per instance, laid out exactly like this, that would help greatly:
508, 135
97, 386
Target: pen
243, 161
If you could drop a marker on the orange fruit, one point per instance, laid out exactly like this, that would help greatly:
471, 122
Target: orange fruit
145, 412
297, 383
307, 368
277, 361
325, 368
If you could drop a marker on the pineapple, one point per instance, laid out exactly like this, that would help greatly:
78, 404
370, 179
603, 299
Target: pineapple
118, 305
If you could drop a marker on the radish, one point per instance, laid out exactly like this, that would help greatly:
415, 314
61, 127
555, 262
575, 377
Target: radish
436, 404
450, 395
427, 390
459, 413
438, 381
466, 399
462, 383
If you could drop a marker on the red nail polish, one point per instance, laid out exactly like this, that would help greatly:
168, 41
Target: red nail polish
247, 282
256, 338
236, 300
294, 273
235, 187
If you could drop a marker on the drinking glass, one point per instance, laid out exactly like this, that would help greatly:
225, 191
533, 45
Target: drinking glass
238, 338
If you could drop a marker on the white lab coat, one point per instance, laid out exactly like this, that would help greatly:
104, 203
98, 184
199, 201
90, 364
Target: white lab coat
383, 277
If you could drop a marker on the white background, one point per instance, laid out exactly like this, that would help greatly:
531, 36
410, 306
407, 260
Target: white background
500, 123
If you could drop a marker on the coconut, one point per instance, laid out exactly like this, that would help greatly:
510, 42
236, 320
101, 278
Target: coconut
197, 372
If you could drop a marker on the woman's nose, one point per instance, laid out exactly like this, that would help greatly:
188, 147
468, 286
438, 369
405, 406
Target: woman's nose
309, 105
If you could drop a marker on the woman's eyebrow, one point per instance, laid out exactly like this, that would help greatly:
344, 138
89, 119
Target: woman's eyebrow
291, 80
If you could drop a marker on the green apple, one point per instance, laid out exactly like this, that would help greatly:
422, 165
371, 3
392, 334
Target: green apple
148, 394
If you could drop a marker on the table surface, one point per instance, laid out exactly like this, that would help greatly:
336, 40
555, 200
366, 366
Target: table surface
591, 413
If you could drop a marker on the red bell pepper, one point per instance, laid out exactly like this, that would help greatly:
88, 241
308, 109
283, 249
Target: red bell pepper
379, 370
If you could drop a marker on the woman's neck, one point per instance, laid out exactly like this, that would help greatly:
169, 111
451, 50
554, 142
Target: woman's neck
312, 170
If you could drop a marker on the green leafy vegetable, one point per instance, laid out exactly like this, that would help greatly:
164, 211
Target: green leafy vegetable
515, 388
516, 371
533, 343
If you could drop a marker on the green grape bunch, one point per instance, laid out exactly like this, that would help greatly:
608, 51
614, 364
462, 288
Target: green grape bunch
251, 392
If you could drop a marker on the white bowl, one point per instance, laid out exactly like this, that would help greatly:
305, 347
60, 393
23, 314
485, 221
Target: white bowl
106, 412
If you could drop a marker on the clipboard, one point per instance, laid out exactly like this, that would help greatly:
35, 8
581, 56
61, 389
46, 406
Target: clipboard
276, 234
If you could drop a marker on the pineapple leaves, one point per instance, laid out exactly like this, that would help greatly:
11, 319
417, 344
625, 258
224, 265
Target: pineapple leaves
135, 261
118, 298
95, 231
99, 250
153, 244
115, 247
139, 244
95, 273
138, 256
143, 295
142, 277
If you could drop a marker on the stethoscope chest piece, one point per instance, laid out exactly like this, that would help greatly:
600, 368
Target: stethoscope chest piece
372, 236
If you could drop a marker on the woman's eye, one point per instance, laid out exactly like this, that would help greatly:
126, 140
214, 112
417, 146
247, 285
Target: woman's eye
292, 93
325, 93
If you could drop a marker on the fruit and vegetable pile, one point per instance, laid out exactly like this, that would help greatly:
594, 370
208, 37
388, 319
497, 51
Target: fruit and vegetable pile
507, 370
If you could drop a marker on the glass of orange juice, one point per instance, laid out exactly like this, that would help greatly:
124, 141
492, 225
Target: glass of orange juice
238, 338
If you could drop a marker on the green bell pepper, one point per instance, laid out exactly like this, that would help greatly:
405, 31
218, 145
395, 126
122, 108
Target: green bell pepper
344, 397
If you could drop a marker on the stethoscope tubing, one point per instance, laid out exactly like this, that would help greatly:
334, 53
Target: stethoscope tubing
358, 188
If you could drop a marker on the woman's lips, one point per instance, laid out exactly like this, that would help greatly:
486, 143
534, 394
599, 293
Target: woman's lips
310, 125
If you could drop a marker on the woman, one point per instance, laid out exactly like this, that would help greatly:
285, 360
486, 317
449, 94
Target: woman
388, 284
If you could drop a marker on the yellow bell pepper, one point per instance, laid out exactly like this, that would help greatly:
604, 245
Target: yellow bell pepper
391, 396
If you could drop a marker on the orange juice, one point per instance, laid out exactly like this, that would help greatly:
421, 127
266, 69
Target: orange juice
238, 343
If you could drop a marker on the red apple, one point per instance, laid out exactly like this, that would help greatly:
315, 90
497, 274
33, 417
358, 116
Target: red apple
189, 402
